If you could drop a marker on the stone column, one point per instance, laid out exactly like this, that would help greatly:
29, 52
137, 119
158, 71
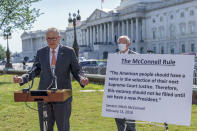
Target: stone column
109, 36
88, 35
82, 39
118, 31
143, 28
97, 35
101, 33
127, 27
112, 30
140, 29
91, 35
137, 30
123, 27
89, 28
104, 32
93, 29
31, 45
94, 33
85, 38
132, 35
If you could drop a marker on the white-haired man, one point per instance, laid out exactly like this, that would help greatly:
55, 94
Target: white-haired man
123, 45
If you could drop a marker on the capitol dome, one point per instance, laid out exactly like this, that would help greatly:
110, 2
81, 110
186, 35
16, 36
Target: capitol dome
125, 3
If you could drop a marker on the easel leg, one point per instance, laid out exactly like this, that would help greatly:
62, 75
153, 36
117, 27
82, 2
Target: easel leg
125, 126
166, 126
155, 127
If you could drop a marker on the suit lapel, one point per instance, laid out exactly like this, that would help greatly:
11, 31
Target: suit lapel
59, 56
48, 57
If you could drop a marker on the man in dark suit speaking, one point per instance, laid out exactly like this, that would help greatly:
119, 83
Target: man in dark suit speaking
58, 60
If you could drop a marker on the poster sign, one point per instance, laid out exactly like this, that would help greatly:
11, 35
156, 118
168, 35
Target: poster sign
149, 87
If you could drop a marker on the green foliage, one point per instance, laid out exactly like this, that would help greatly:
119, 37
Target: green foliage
17, 14
85, 116
2, 52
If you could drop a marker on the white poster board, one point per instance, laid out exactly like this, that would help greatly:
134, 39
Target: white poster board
148, 87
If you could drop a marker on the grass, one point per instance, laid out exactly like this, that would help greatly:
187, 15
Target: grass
86, 111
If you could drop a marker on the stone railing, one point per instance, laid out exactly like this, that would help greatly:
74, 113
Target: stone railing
103, 43
12, 71
94, 70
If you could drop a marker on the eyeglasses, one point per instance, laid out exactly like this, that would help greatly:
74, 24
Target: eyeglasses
52, 39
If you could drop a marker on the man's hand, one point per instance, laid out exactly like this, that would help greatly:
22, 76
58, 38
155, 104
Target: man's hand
17, 79
84, 81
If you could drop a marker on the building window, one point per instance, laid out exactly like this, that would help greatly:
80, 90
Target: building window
182, 14
161, 32
154, 50
182, 28
43, 39
183, 48
171, 17
161, 19
154, 21
192, 48
172, 51
172, 31
142, 50
154, 33
191, 12
105, 55
162, 50
192, 26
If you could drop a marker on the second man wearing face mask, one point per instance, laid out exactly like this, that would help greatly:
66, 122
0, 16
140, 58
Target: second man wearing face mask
123, 45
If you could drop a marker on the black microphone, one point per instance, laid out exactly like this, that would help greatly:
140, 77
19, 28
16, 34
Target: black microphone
54, 81
35, 66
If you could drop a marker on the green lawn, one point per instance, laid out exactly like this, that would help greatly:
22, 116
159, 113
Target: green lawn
86, 111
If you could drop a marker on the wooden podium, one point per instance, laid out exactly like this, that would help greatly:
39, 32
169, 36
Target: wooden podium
42, 96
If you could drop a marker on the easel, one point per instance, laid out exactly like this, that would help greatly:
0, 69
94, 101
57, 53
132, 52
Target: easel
165, 124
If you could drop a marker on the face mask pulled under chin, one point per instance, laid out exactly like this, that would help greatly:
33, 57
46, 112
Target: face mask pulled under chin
122, 47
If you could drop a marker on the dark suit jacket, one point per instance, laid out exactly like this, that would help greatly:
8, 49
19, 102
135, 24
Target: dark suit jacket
66, 63
132, 52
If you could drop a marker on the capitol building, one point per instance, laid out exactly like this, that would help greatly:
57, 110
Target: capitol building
162, 26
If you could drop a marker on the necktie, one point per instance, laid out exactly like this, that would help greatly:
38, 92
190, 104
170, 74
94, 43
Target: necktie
53, 61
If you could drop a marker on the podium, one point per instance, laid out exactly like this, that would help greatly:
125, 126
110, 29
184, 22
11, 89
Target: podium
45, 96
42, 95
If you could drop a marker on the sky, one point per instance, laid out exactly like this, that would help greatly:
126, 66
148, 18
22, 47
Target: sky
56, 15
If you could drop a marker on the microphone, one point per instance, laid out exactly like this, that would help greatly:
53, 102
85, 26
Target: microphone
54, 79
32, 72
35, 66
53, 70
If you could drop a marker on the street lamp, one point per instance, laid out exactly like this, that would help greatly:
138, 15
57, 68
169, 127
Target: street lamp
7, 35
73, 20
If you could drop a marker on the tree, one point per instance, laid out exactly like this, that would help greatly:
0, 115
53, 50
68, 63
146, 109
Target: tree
17, 14
2, 52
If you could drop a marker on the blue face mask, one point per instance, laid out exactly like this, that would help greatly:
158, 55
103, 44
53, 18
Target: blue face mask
122, 47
